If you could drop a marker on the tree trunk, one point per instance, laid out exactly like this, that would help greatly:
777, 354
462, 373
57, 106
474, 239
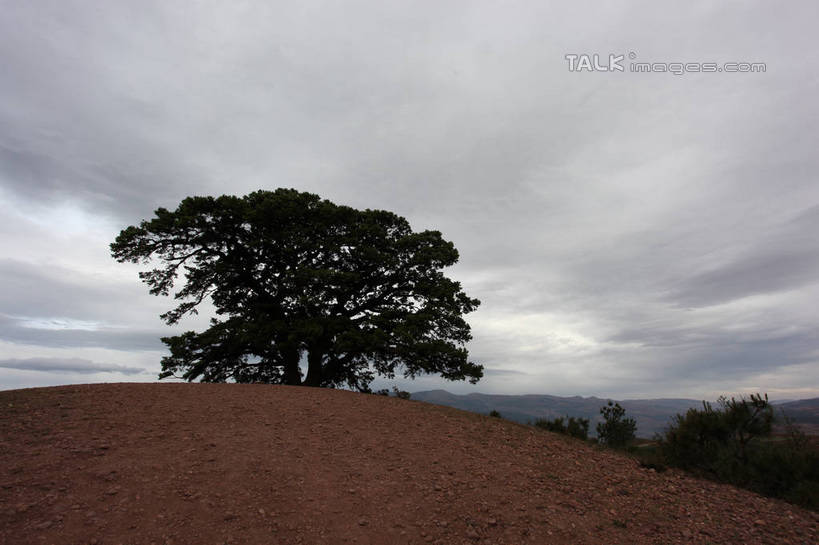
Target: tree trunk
292, 374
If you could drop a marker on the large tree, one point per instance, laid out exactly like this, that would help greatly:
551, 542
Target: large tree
294, 278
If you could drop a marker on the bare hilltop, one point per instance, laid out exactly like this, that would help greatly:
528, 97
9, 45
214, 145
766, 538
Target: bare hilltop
257, 464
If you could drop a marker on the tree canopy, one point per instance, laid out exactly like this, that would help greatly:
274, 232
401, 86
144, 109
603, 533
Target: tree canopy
297, 279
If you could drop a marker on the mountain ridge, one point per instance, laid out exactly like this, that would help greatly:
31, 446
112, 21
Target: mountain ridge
653, 415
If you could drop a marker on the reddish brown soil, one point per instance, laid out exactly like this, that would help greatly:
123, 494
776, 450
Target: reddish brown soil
230, 464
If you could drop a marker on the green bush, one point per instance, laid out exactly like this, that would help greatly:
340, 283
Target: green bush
575, 427
495, 414
717, 440
615, 430
578, 427
733, 443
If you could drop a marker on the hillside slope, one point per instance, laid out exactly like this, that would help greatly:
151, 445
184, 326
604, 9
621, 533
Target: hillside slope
804, 412
251, 464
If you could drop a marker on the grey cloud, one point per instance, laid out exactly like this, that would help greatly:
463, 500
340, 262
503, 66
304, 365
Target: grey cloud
708, 353
114, 312
48, 290
752, 275
14, 330
67, 365
45, 291
787, 258
502, 372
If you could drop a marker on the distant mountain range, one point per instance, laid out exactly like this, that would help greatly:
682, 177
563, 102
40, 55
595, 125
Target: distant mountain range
652, 415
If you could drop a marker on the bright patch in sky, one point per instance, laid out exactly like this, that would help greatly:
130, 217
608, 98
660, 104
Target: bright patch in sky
59, 324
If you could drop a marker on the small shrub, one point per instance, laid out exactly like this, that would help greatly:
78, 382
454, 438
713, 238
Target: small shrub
578, 427
575, 427
401, 394
382, 392
555, 425
495, 414
651, 460
616, 430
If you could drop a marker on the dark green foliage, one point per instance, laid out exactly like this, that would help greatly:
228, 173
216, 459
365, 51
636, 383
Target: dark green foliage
401, 394
615, 430
786, 469
575, 427
294, 278
495, 414
382, 392
733, 443
555, 425
717, 440
578, 427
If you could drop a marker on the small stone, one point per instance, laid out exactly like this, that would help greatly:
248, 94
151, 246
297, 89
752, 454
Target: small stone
759, 522
362, 522
261, 511
472, 534
44, 525
492, 522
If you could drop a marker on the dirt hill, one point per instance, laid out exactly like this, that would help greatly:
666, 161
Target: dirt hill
255, 464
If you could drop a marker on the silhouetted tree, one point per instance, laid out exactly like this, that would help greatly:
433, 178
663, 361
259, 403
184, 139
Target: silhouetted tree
354, 292
615, 430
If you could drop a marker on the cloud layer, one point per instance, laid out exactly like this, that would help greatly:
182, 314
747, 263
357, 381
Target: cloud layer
628, 234
69, 365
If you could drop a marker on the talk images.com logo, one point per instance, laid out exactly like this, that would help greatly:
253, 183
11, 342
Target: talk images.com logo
583, 62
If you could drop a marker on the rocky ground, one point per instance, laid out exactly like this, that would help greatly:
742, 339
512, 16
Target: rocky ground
253, 464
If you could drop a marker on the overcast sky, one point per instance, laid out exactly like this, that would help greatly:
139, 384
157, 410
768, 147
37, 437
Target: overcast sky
629, 234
